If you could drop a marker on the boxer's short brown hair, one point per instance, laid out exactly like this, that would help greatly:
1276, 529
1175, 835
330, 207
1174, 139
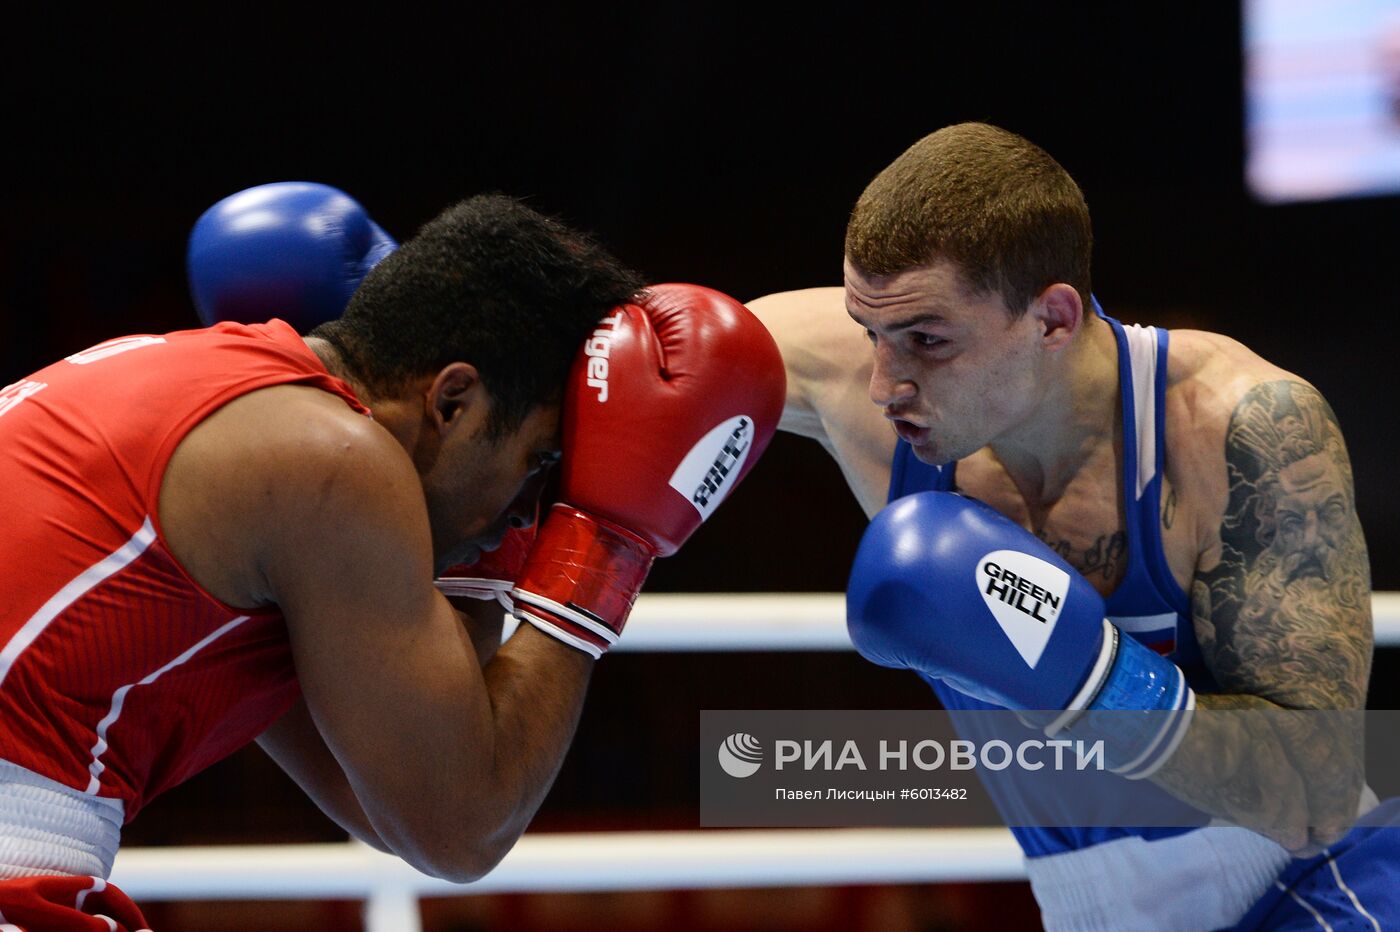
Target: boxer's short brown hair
1005, 212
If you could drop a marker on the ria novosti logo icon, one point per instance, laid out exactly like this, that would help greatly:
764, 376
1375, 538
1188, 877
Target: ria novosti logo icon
740, 755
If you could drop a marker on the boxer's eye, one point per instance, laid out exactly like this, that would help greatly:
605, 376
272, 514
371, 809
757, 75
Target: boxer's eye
927, 339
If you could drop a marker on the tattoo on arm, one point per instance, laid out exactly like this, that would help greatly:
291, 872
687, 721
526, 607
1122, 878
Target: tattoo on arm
1284, 624
1287, 610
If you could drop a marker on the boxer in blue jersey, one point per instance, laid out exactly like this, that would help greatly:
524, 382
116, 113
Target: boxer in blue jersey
1202, 493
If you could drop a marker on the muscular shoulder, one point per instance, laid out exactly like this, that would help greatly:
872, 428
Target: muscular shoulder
1209, 376
274, 475
1240, 430
295, 440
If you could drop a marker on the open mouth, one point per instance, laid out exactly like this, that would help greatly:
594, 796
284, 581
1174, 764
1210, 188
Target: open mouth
910, 433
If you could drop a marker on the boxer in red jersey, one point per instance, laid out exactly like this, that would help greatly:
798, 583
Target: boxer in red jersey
208, 541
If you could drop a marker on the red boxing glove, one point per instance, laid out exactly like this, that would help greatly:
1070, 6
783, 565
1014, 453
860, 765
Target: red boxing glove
494, 572
668, 407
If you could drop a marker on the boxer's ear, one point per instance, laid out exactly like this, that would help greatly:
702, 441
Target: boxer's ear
454, 392
1060, 313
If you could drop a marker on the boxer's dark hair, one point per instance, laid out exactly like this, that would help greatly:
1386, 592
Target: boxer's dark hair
1005, 212
490, 282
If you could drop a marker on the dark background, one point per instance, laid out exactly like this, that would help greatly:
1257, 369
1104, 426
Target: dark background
708, 143
714, 144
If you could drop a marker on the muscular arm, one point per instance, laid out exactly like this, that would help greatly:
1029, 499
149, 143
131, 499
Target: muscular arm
449, 761
285, 496
298, 748
828, 361
1283, 617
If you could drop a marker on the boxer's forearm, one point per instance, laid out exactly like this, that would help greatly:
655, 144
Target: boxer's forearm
447, 760
294, 743
537, 687
1295, 776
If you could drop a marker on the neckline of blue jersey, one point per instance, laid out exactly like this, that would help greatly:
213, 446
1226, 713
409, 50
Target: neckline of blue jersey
1145, 550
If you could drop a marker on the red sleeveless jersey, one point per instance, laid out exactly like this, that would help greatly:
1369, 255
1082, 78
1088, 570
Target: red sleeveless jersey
119, 675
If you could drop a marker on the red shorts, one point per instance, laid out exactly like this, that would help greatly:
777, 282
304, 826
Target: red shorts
66, 904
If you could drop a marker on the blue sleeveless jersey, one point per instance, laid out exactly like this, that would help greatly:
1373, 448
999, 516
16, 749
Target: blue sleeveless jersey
1148, 605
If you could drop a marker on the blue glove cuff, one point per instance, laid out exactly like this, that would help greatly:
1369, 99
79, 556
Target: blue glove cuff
1137, 701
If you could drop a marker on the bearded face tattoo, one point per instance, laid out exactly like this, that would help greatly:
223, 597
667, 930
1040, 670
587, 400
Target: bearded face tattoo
1292, 549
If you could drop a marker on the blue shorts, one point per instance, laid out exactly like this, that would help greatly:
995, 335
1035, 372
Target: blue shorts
1354, 884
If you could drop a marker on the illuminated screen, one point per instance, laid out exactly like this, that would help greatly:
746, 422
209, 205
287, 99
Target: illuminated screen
1322, 98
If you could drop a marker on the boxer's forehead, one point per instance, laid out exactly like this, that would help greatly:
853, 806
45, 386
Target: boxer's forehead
930, 294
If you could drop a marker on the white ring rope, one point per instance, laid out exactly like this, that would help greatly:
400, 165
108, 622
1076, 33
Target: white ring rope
583, 861
773, 621
611, 861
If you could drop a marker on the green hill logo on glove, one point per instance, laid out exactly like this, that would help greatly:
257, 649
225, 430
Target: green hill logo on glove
1024, 595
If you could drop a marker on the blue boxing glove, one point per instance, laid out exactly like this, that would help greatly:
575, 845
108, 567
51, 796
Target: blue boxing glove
947, 586
294, 250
